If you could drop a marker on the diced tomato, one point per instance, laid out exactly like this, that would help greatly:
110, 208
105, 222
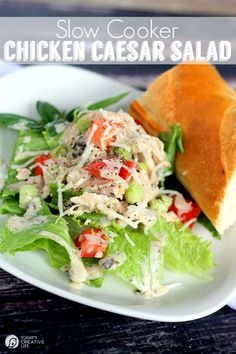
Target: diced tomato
191, 214
126, 173
41, 159
101, 126
92, 243
94, 168
138, 122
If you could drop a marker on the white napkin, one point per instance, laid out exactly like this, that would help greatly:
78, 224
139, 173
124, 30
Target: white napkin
7, 68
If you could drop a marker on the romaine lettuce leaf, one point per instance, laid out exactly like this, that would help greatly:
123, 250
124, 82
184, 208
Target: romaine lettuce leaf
30, 238
51, 135
48, 112
144, 255
10, 205
92, 219
183, 251
97, 282
67, 194
140, 257
35, 142
43, 231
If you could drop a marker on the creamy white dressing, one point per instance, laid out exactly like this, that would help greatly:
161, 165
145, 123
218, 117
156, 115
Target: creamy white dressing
60, 127
77, 270
27, 139
19, 223
33, 207
146, 216
36, 181
150, 269
94, 272
113, 261
19, 126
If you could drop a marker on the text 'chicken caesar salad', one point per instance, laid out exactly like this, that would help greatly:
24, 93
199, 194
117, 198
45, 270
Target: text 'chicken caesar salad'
89, 187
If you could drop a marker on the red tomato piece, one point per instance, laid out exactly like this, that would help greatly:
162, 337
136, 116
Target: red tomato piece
98, 135
94, 168
191, 214
41, 159
92, 243
126, 173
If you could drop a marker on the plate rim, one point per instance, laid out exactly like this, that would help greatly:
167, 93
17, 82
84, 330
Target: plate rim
118, 309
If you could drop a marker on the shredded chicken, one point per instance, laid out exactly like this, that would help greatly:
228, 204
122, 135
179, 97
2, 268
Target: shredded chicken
89, 202
146, 216
36, 181
106, 189
23, 174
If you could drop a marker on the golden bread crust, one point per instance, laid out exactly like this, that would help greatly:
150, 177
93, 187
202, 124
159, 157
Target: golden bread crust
196, 96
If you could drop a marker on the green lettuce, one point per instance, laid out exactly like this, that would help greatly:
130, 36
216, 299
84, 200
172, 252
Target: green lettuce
72, 115
36, 142
140, 258
31, 238
183, 251
67, 194
10, 205
92, 219
48, 112
143, 256
172, 143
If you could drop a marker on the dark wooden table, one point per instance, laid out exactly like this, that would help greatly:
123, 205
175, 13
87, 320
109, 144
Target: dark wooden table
67, 327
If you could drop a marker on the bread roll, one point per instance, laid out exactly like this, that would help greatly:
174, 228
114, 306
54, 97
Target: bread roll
196, 96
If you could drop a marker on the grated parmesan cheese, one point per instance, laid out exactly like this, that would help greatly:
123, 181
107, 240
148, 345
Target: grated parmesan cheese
89, 147
60, 199
25, 164
21, 155
131, 242
182, 205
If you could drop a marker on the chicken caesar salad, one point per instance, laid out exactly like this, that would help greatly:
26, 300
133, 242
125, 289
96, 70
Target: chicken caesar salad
89, 188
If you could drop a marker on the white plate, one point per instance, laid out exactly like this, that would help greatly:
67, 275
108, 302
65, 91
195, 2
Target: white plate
67, 87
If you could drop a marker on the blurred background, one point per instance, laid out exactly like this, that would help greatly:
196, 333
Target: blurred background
76, 7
